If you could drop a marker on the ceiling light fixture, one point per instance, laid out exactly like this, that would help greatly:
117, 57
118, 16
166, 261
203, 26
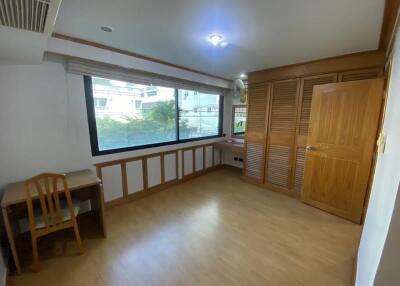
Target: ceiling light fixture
242, 75
107, 29
215, 39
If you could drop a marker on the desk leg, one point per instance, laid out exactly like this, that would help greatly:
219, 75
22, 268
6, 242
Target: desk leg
97, 204
11, 240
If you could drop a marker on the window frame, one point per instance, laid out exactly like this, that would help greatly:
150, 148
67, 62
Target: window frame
91, 117
238, 135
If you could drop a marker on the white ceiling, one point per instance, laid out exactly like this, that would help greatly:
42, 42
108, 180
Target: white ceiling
262, 33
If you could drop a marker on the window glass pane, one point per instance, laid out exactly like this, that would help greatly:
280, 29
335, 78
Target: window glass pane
198, 114
239, 120
129, 115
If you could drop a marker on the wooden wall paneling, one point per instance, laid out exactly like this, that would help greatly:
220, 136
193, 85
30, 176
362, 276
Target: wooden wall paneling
177, 164
217, 156
281, 135
390, 19
194, 160
356, 61
145, 177
112, 183
204, 157
303, 118
134, 171
132, 178
213, 156
256, 132
199, 159
170, 167
154, 170
124, 179
208, 155
360, 74
187, 162
162, 167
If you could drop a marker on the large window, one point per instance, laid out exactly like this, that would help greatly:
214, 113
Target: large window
199, 114
126, 116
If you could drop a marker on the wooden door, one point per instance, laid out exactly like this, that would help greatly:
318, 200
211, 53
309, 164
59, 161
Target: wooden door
342, 133
256, 132
303, 118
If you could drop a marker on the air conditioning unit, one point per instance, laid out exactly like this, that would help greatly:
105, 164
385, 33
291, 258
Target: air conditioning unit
25, 26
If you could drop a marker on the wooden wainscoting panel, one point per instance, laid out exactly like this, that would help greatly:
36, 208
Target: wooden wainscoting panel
132, 178
134, 171
217, 157
187, 162
112, 182
199, 155
154, 177
170, 167
208, 152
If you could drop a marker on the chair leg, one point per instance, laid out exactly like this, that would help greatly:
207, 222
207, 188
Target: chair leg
78, 238
35, 253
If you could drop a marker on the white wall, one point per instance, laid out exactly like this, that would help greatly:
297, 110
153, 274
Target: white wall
43, 123
380, 243
228, 156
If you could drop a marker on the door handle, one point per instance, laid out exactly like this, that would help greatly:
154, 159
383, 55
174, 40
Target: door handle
310, 148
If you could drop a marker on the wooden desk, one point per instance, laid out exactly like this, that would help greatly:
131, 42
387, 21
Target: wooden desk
235, 147
84, 185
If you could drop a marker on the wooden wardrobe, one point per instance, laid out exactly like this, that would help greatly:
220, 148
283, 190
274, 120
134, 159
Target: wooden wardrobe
278, 118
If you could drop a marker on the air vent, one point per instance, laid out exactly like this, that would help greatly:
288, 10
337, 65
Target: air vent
30, 15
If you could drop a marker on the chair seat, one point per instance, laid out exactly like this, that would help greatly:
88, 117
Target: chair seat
39, 221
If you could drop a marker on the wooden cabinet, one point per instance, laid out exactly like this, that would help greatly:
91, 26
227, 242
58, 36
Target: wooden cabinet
256, 132
281, 136
277, 128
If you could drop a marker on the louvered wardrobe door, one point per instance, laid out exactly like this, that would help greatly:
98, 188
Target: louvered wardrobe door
281, 135
306, 92
360, 74
257, 114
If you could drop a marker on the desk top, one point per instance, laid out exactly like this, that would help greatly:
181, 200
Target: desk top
237, 147
15, 192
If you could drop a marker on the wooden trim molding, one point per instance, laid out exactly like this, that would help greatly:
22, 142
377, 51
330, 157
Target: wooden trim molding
131, 54
390, 21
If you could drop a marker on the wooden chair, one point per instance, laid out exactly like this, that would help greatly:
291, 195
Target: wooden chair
53, 210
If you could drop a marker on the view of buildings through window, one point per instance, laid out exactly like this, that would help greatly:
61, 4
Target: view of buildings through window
239, 120
198, 114
129, 115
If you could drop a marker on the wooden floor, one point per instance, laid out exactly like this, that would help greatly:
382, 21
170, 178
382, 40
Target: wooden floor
213, 230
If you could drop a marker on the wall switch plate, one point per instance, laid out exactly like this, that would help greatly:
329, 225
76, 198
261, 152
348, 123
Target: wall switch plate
381, 143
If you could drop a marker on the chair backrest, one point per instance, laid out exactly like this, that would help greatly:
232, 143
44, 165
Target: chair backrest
47, 188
